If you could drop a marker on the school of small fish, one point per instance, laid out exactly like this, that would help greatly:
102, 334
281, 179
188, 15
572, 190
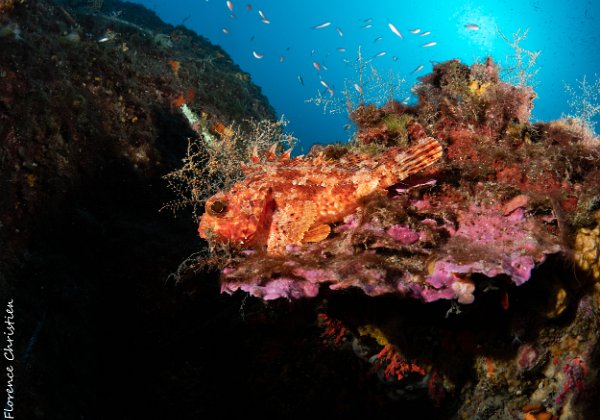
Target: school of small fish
326, 26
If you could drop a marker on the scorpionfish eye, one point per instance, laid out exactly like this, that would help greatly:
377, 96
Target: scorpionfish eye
217, 208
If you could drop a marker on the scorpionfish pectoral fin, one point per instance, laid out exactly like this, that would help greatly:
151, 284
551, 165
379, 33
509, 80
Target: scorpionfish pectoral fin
290, 224
317, 233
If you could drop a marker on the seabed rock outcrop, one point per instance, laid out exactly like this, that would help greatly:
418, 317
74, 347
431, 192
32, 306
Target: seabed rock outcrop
474, 284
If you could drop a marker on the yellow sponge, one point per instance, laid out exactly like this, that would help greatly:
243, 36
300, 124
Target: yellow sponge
587, 248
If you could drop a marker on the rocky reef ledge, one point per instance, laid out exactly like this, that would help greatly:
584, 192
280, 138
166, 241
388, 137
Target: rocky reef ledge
476, 278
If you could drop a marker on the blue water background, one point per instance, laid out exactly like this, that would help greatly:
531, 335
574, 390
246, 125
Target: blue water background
564, 31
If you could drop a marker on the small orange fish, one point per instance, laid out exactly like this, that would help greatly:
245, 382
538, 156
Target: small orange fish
285, 201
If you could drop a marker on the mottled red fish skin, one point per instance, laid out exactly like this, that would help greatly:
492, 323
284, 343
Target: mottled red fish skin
288, 198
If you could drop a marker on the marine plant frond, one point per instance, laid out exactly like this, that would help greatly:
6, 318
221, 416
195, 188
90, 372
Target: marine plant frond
520, 68
368, 86
584, 104
213, 162
329, 104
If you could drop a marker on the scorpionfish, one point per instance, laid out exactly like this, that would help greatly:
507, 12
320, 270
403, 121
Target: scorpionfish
283, 201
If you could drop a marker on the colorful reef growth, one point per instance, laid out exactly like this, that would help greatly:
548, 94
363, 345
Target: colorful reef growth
456, 241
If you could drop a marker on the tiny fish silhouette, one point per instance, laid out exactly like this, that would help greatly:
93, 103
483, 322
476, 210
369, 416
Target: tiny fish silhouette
285, 201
